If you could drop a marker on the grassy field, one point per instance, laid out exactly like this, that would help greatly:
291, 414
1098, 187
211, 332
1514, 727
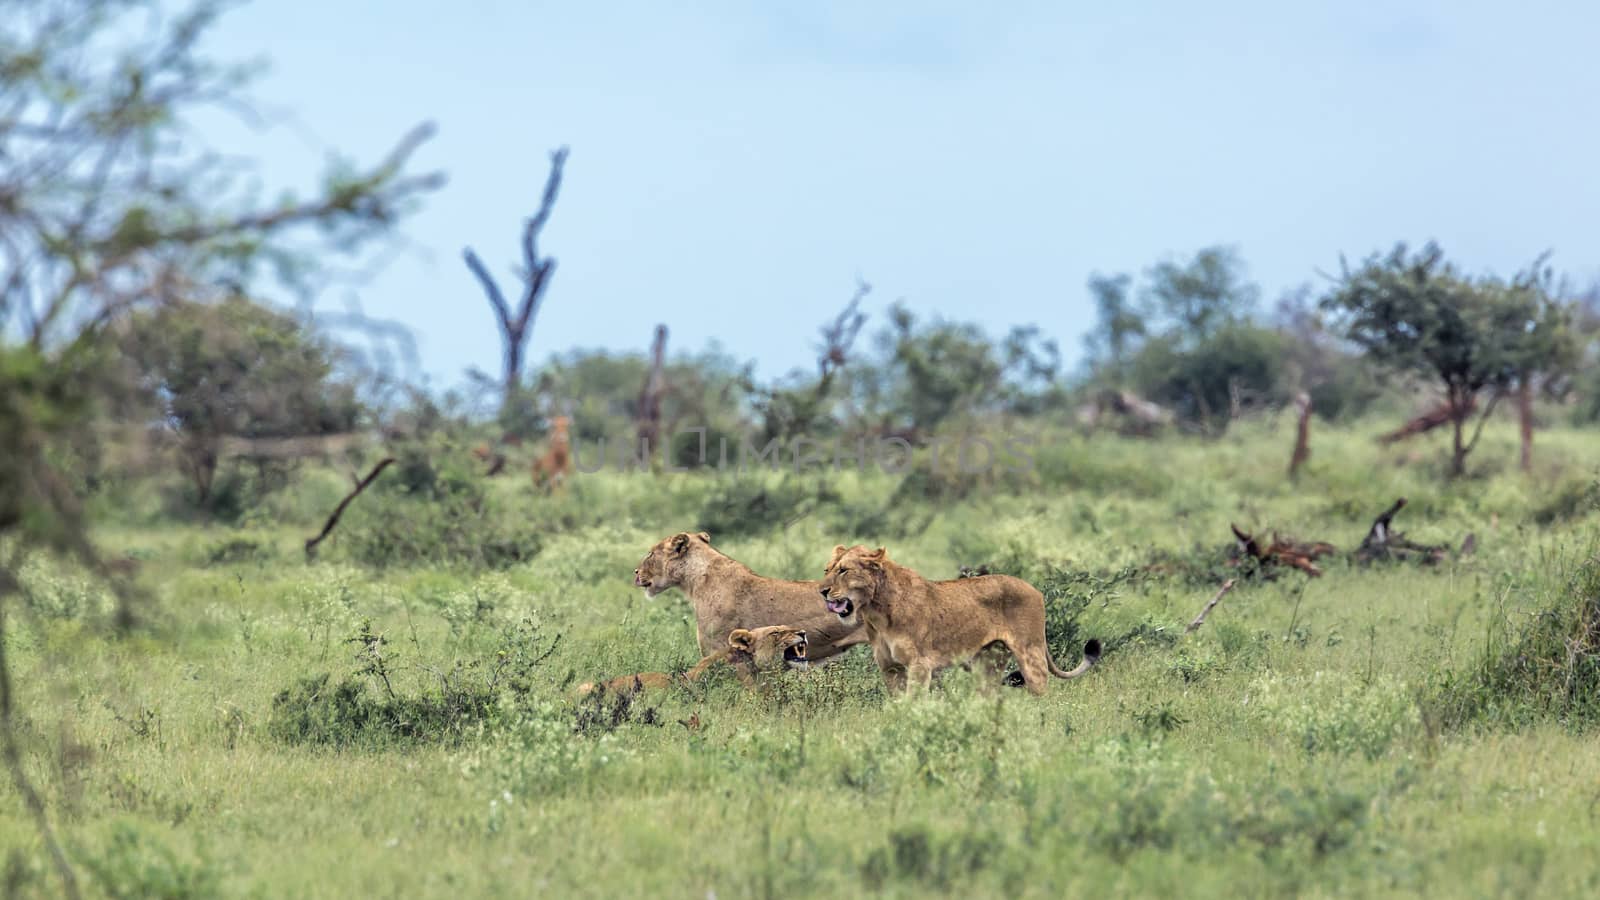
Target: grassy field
1330, 736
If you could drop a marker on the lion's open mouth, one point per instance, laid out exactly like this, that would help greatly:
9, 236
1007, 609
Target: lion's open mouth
840, 606
795, 653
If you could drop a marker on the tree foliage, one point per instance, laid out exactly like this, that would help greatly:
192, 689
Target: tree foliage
1416, 312
108, 203
235, 369
1202, 295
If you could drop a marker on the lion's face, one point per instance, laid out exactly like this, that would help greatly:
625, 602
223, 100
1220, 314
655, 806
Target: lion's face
771, 646
851, 579
663, 566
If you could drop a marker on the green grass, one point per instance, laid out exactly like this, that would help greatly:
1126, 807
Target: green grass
1293, 744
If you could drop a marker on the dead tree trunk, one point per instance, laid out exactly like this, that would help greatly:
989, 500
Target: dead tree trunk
655, 385
1302, 437
1525, 420
1459, 411
516, 324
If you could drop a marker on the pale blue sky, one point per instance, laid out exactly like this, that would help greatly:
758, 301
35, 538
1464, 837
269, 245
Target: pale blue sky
736, 165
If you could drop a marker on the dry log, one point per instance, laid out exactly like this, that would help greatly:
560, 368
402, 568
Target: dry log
1201, 619
1437, 417
333, 520
1384, 543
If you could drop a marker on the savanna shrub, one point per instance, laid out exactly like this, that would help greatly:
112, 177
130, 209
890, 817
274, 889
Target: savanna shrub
434, 509
536, 750
375, 707
916, 853
56, 592
1572, 500
1335, 713
750, 505
1550, 669
1146, 799
134, 864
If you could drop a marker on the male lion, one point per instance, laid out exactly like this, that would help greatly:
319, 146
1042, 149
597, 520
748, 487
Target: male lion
726, 595
917, 627
749, 651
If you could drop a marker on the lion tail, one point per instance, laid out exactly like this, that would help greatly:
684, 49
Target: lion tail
1091, 655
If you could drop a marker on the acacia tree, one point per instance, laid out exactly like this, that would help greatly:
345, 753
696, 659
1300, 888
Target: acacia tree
108, 203
1547, 347
1418, 313
1120, 322
234, 369
1202, 295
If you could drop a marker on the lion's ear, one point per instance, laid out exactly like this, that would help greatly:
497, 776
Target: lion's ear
680, 543
704, 536
741, 639
838, 551
877, 553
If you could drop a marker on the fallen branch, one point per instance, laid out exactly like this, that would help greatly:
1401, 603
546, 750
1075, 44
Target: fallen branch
1383, 542
1439, 416
1201, 619
333, 520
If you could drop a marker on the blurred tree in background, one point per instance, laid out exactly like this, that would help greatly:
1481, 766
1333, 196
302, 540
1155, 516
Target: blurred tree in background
1416, 312
235, 369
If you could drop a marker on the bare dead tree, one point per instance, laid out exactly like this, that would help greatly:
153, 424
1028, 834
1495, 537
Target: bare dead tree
535, 271
1302, 436
650, 394
792, 408
1525, 420
839, 336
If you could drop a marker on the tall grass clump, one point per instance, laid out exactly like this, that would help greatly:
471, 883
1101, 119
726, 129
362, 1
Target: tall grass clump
1549, 670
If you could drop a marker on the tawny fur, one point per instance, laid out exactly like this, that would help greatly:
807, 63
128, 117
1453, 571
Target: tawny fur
748, 651
726, 595
556, 464
917, 627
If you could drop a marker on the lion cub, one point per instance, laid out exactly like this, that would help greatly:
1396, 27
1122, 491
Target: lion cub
749, 651
917, 627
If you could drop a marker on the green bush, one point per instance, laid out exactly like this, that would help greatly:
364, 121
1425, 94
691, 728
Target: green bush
1196, 380
1572, 500
435, 509
1550, 670
751, 505
136, 865
367, 709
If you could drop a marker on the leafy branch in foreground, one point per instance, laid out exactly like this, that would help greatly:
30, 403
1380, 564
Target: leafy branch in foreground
106, 205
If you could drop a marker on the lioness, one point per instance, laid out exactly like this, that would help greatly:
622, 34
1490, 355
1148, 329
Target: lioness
726, 595
749, 651
556, 464
917, 627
